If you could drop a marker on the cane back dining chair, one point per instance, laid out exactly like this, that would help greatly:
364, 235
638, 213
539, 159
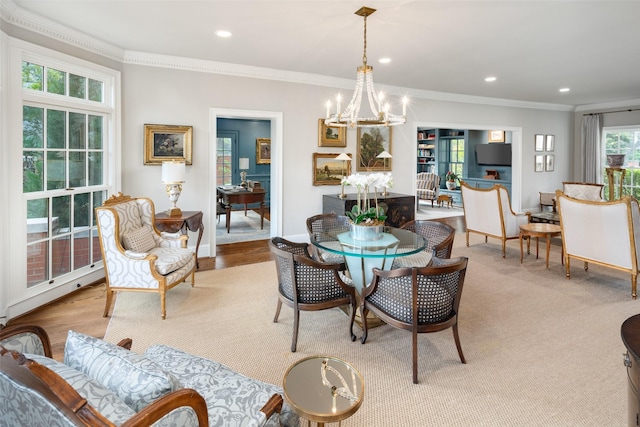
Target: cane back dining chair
325, 227
137, 257
419, 300
439, 243
305, 284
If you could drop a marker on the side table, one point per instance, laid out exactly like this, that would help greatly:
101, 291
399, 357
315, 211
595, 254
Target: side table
189, 220
323, 389
537, 230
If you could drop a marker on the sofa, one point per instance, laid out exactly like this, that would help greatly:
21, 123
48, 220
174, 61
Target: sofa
103, 384
604, 233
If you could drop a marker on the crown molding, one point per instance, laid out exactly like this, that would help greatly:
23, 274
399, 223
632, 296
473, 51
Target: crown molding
605, 106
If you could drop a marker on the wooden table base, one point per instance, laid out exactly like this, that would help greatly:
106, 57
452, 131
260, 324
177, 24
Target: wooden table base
538, 230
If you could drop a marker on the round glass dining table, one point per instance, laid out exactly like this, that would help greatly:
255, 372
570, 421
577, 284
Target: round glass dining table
361, 256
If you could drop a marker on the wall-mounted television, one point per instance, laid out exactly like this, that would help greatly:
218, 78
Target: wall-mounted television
493, 154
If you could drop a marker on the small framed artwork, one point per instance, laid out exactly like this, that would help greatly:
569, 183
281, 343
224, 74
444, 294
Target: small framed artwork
550, 142
371, 142
167, 142
329, 136
496, 136
539, 142
539, 162
327, 170
549, 162
263, 151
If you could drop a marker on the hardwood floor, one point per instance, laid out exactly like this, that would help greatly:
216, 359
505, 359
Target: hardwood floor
82, 310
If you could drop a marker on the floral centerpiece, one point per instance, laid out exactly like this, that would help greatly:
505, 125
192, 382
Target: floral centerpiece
362, 212
452, 179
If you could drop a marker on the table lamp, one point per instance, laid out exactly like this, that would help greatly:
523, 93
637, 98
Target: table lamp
173, 175
244, 166
344, 157
384, 156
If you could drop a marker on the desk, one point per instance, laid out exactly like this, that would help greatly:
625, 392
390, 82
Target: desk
323, 389
189, 220
237, 196
538, 230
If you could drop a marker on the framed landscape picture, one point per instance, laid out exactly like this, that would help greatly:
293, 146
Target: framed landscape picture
327, 170
329, 136
373, 140
167, 142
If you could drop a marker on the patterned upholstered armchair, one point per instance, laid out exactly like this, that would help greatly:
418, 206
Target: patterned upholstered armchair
137, 257
583, 190
427, 187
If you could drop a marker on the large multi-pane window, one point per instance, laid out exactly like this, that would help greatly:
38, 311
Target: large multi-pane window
623, 141
451, 155
63, 169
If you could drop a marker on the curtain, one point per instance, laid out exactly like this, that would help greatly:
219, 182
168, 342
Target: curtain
591, 132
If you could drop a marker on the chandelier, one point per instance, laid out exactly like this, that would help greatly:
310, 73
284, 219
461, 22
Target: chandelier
351, 115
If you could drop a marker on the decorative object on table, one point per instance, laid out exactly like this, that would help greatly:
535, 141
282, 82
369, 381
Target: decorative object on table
351, 115
263, 151
549, 161
615, 160
344, 157
452, 180
362, 213
384, 156
371, 142
539, 142
496, 136
331, 136
243, 165
173, 175
539, 163
167, 142
328, 169
550, 142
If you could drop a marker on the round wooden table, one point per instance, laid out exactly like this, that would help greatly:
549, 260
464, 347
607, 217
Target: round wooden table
537, 230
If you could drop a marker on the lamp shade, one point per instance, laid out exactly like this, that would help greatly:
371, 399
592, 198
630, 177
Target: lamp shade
384, 155
173, 172
343, 156
244, 163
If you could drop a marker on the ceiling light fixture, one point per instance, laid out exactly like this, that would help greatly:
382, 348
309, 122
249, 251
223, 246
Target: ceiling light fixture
223, 33
350, 116
490, 79
564, 89
384, 60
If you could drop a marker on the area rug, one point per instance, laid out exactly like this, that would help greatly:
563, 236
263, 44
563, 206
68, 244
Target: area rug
426, 212
541, 350
243, 228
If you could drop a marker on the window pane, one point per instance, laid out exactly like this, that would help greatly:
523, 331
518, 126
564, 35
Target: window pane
32, 76
55, 129
95, 132
32, 176
81, 232
77, 128
77, 169
32, 127
81, 210
37, 219
56, 81
95, 90
56, 166
37, 263
95, 168
61, 211
60, 256
77, 86
98, 198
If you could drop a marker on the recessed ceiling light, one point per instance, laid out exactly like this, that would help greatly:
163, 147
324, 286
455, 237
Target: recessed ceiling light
490, 79
223, 33
384, 60
564, 89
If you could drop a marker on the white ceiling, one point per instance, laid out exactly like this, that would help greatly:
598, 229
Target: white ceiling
533, 47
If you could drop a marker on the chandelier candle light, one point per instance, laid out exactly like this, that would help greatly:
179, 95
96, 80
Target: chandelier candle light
344, 157
351, 115
173, 175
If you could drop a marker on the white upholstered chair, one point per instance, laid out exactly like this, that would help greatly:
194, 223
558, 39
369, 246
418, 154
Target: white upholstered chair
427, 187
487, 211
583, 190
137, 257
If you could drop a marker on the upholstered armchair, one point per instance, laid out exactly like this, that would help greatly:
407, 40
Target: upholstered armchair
419, 300
583, 190
137, 257
427, 187
487, 211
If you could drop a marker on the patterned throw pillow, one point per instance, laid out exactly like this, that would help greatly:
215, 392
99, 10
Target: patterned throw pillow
133, 378
139, 239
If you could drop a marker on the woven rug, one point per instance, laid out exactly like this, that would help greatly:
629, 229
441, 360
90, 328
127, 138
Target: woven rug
541, 350
425, 211
243, 228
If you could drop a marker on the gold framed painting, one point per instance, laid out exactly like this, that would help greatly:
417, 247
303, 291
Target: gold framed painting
327, 170
329, 136
167, 142
496, 136
263, 151
373, 140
